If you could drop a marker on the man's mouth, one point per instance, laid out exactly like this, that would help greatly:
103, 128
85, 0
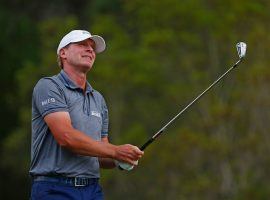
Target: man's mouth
90, 57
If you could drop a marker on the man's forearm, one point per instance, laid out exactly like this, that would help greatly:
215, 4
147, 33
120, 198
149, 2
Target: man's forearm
82, 144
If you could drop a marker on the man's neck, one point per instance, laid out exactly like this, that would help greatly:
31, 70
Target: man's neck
78, 77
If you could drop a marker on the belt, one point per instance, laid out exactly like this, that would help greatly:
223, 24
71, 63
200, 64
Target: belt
70, 181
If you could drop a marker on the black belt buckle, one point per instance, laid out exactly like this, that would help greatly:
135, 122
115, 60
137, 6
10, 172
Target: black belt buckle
80, 182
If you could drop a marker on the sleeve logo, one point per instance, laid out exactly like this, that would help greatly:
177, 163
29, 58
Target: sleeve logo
47, 101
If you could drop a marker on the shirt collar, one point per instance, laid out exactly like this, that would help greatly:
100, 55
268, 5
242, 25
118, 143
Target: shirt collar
70, 84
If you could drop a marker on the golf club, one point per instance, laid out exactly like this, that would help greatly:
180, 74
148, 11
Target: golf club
241, 50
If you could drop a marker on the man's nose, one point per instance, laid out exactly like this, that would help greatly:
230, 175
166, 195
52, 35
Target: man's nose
90, 48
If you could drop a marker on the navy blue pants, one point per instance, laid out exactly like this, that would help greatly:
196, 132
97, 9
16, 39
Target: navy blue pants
44, 190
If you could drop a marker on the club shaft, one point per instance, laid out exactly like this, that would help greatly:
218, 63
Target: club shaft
184, 109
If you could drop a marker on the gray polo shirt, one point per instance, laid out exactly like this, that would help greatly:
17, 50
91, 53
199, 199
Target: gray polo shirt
88, 113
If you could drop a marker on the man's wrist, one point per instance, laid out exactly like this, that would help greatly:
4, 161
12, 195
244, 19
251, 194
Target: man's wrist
111, 150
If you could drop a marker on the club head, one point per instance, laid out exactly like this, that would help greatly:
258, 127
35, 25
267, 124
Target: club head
241, 49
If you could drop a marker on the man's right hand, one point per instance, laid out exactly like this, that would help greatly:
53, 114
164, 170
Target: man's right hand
128, 153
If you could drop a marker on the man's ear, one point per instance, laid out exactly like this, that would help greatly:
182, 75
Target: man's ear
62, 53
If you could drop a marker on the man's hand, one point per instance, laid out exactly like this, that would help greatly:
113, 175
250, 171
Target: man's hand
128, 153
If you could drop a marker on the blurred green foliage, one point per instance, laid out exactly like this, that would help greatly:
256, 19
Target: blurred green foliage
160, 55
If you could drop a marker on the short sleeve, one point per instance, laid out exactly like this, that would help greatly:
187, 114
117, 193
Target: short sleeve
105, 119
48, 97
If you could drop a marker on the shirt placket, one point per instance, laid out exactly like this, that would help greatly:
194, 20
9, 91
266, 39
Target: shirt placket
86, 104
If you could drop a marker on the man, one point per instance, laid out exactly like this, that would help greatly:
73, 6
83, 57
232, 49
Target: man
70, 127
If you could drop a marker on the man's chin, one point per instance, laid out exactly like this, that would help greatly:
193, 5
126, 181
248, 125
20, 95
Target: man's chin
86, 67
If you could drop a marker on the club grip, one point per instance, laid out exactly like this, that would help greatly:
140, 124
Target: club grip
146, 144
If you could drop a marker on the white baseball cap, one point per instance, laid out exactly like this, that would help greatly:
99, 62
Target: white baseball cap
80, 35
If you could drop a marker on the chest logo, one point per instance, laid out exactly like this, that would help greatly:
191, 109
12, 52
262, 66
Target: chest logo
95, 113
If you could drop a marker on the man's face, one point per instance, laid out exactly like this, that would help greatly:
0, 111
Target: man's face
80, 54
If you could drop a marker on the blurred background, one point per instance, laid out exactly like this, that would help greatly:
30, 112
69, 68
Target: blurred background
160, 55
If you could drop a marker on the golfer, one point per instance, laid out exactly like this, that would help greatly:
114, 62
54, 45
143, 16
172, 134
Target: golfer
70, 127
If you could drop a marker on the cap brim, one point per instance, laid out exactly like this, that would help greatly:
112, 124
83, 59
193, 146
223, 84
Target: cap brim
100, 43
